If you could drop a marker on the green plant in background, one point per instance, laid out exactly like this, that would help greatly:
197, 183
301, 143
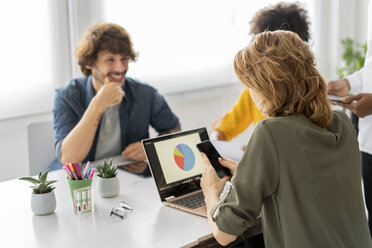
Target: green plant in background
352, 58
107, 170
41, 185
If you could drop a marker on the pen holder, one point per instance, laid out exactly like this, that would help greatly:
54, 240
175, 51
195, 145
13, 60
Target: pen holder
81, 193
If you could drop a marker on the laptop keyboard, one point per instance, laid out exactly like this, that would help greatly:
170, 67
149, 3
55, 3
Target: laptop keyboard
192, 201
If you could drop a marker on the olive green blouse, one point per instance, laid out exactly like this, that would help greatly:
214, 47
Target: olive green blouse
307, 182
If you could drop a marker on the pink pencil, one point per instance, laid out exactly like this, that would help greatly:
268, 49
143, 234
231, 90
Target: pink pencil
67, 167
91, 173
86, 169
68, 171
77, 170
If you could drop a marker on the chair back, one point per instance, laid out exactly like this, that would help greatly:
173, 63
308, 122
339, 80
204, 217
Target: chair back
40, 146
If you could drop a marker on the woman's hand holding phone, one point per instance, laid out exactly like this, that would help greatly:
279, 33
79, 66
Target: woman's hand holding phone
208, 149
229, 164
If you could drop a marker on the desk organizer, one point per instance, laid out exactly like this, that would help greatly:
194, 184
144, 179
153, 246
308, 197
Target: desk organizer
81, 193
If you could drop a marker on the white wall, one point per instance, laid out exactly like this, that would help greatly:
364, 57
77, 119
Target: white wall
195, 109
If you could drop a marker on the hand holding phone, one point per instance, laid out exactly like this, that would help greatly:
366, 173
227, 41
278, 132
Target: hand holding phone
334, 98
212, 154
338, 98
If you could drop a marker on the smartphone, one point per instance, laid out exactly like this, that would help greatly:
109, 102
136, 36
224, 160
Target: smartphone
212, 154
334, 98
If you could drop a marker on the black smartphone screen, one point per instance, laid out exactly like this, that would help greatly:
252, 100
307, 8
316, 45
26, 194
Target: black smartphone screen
212, 154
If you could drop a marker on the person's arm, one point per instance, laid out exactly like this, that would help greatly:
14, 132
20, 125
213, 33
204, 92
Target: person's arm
256, 178
221, 237
162, 119
355, 81
350, 83
360, 104
212, 187
77, 144
238, 119
135, 151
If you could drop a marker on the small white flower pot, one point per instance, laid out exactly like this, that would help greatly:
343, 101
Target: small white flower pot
43, 204
108, 187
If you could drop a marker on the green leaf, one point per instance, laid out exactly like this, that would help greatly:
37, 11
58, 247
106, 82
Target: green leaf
50, 182
30, 179
44, 176
107, 169
353, 57
43, 188
41, 185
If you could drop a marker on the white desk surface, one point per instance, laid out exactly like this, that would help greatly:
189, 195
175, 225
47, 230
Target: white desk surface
150, 224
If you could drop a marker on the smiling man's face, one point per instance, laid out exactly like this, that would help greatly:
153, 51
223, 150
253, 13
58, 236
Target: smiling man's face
110, 66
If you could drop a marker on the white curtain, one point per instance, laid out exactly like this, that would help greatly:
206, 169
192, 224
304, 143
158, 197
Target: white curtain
34, 55
335, 20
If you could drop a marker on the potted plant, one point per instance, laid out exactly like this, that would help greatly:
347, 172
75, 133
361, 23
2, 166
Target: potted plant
43, 200
353, 59
108, 182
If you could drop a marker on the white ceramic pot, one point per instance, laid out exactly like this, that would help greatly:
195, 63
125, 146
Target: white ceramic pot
43, 204
108, 187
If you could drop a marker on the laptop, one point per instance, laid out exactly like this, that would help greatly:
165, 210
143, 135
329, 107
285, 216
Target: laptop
176, 166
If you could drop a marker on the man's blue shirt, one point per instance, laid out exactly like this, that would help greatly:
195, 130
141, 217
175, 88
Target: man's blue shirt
141, 107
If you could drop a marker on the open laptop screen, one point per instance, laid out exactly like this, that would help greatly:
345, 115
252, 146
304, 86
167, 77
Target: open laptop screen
175, 161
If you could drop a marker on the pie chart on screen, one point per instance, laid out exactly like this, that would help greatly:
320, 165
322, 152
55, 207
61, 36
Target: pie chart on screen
184, 157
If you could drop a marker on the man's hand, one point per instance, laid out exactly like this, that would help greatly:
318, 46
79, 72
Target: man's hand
110, 94
135, 152
360, 104
338, 87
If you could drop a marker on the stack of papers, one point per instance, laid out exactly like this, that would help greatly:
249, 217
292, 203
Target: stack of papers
231, 150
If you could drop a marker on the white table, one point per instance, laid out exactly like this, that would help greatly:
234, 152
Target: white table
151, 224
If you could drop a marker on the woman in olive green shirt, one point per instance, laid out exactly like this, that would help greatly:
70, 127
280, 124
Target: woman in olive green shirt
301, 169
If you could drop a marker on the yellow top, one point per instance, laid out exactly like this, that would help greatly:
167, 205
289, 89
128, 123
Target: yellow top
240, 117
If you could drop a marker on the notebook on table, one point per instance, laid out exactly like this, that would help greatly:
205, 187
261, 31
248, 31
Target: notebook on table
176, 166
139, 168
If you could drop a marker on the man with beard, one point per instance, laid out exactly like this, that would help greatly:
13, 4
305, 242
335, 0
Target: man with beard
106, 113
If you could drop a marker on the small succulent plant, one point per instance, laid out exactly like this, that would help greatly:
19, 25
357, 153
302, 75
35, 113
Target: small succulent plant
107, 169
41, 185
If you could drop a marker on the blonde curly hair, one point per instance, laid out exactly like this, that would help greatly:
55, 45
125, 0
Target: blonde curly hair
280, 67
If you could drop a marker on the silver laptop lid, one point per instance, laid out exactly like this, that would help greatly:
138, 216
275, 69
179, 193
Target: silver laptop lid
175, 162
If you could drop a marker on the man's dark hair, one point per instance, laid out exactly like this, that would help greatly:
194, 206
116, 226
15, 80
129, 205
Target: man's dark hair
282, 16
106, 36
